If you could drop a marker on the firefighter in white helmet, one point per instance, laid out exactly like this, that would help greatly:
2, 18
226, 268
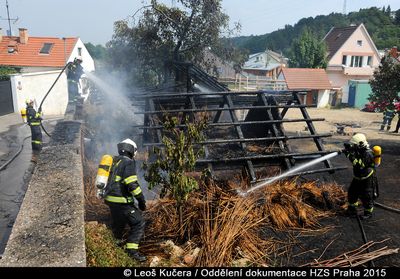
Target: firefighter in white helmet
34, 120
120, 192
364, 182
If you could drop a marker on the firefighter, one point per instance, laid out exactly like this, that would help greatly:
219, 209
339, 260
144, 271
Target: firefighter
364, 183
119, 195
388, 116
34, 120
75, 71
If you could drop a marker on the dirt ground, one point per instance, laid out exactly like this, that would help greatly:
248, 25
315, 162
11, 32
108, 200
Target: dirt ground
385, 224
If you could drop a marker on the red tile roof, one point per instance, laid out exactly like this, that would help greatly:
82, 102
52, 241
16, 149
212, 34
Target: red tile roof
27, 55
303, 78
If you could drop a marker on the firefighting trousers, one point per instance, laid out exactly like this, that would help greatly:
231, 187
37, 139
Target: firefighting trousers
363, 190
123, 214
36, 135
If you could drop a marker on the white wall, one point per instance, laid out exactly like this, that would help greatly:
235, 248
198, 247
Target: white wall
87, 60
35, 86
323, 98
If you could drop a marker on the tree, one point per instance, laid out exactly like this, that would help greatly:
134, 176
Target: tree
385, 83
308, 52
98, 52
166, 33
6, 71
176, 159
397, 17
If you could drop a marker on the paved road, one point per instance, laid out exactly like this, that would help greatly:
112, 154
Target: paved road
15, 178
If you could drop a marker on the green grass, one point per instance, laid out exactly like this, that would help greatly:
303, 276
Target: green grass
102, 250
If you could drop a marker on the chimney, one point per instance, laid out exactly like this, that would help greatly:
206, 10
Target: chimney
23, 36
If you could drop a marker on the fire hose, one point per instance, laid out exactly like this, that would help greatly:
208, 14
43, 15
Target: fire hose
45, 96
4, 166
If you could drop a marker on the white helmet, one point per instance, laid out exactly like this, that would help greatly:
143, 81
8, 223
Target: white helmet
127, 146
359, 140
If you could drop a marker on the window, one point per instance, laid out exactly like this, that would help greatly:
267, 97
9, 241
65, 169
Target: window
359, 43
356, 61
46, 48
79, 51
344, 60
369, 61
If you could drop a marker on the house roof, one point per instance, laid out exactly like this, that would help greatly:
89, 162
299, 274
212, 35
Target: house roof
28, 55
304, 78
269, 61
336, 37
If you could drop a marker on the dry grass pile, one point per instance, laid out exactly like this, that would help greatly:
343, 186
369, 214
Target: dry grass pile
227, 227
356, 257
95, 209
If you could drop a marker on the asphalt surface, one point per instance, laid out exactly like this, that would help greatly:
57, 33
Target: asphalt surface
15, 177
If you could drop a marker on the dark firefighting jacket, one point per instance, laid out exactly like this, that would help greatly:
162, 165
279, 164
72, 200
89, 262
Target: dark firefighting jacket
363, 162
123, 184
34, 118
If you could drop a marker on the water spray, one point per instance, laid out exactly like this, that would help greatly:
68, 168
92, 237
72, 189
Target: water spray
286, 174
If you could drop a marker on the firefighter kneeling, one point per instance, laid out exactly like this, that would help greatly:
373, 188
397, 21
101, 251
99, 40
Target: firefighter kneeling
119, 193
364, 184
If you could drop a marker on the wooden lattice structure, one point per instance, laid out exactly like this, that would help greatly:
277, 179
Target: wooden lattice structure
240, 125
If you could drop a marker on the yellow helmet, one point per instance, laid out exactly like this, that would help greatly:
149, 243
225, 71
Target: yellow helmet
359, 140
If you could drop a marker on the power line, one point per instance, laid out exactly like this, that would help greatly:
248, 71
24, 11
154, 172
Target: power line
9, 19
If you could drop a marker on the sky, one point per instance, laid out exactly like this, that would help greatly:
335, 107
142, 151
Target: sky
92, 20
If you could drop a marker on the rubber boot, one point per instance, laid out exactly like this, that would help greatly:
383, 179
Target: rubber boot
367, 215
134, 254
388, 128
351, 211
382, 128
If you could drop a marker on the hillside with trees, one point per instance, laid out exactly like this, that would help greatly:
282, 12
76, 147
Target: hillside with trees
382, 24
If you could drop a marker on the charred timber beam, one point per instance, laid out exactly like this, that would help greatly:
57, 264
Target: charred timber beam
237, 123
172, 94
239, 140
312, 129
259, 157
239, 131
223, 109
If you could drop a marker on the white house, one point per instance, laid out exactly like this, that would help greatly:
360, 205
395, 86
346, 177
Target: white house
265, 64
352, 55
40, 60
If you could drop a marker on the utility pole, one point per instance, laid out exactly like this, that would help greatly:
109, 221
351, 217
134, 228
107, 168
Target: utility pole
344, 7
9, 20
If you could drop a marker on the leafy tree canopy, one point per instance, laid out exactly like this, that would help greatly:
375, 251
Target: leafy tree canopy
6, 71
163, 33
385, 83
308, 51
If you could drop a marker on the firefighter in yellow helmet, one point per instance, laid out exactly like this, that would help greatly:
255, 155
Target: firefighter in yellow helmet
34, 120
364, 178
119, 195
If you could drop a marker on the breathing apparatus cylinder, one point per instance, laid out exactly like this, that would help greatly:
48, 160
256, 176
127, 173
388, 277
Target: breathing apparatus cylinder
377, 155
103, 172
23, 114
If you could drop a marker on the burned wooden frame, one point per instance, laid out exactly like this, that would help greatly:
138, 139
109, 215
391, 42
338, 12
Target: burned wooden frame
228, 135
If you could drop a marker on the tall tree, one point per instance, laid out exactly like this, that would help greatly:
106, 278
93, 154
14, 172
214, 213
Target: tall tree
166, 33
385, 83
308, 52
397, 17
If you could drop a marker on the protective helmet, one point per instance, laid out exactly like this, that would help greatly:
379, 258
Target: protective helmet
359, 140
29, 102
127, 147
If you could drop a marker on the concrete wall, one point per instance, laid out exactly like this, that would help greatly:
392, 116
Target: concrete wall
35, 86
49, 229
323, 98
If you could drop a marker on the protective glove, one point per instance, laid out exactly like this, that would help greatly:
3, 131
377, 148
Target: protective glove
142, 205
